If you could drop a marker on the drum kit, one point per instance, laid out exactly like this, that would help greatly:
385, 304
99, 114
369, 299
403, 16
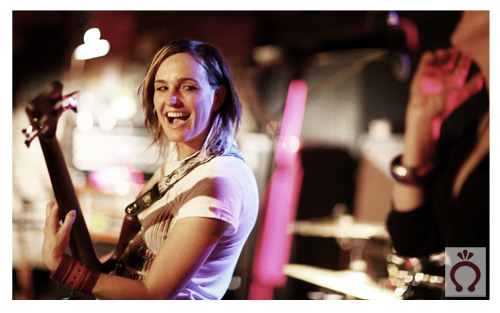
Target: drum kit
374, 272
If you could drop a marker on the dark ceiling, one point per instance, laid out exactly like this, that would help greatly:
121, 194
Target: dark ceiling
43, 40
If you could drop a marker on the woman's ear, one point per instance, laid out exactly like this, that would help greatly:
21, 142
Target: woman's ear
219, 97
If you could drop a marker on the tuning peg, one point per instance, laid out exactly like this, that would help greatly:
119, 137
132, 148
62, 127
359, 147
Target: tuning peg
72, 102
30, 133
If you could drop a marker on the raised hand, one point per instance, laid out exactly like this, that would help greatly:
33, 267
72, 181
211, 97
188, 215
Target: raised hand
440, 85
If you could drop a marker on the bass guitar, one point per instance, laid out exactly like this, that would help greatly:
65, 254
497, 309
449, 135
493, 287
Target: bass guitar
44, 112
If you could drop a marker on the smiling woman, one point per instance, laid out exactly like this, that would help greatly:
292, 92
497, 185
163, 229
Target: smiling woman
204, 65
185, 102
197, 210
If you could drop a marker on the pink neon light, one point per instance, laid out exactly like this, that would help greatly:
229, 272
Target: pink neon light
276, 239
292, 122
274, 243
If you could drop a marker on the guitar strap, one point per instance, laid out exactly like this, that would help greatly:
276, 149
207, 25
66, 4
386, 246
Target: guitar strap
164, 184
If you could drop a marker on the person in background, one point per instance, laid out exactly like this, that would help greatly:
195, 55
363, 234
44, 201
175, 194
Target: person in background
191, 238
441, 195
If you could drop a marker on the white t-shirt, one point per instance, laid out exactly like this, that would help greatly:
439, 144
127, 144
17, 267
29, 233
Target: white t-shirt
224, 188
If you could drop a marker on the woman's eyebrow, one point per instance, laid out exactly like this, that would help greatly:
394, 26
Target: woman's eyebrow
182, 79
188, 79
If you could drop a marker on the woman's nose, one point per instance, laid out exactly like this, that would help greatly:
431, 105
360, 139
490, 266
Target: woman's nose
173, 100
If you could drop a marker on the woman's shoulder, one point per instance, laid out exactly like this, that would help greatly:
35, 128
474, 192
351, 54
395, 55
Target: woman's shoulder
229, 170
232, 164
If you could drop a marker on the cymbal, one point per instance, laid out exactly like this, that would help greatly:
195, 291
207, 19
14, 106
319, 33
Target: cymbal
344, 228
348, 282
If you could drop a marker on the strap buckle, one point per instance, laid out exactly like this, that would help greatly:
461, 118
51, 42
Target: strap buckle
144, 201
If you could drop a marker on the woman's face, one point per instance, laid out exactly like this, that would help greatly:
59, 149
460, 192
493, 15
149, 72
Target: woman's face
184, 100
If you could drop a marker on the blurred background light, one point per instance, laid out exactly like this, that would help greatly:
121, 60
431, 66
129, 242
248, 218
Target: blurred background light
125, 151
118, 179
107, 119
84, 121
97, 221
86, 100
393, 19
107, 176
124, 105
93, 47
122, 187
92, 35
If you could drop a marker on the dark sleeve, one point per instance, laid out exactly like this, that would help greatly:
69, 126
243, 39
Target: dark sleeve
414, 233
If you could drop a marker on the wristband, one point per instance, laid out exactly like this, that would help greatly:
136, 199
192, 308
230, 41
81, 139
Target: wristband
75, 275
407, 175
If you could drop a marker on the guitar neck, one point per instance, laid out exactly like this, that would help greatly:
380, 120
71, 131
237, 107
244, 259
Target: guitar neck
80, 243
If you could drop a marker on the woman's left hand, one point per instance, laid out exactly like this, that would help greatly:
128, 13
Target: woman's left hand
56, 236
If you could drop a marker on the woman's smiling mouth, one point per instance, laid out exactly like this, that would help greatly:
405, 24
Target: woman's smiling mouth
175, 118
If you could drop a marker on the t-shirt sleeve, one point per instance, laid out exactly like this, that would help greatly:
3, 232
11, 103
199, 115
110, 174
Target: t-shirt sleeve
219, 197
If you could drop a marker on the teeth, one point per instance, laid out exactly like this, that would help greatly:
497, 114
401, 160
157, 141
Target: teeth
176, 114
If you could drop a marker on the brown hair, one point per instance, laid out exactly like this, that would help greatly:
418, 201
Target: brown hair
228, 116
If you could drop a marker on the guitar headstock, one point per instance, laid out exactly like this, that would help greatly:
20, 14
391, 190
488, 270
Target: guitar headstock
44, 112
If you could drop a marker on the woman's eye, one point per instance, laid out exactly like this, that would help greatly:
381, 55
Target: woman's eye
188, 87
161, 88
